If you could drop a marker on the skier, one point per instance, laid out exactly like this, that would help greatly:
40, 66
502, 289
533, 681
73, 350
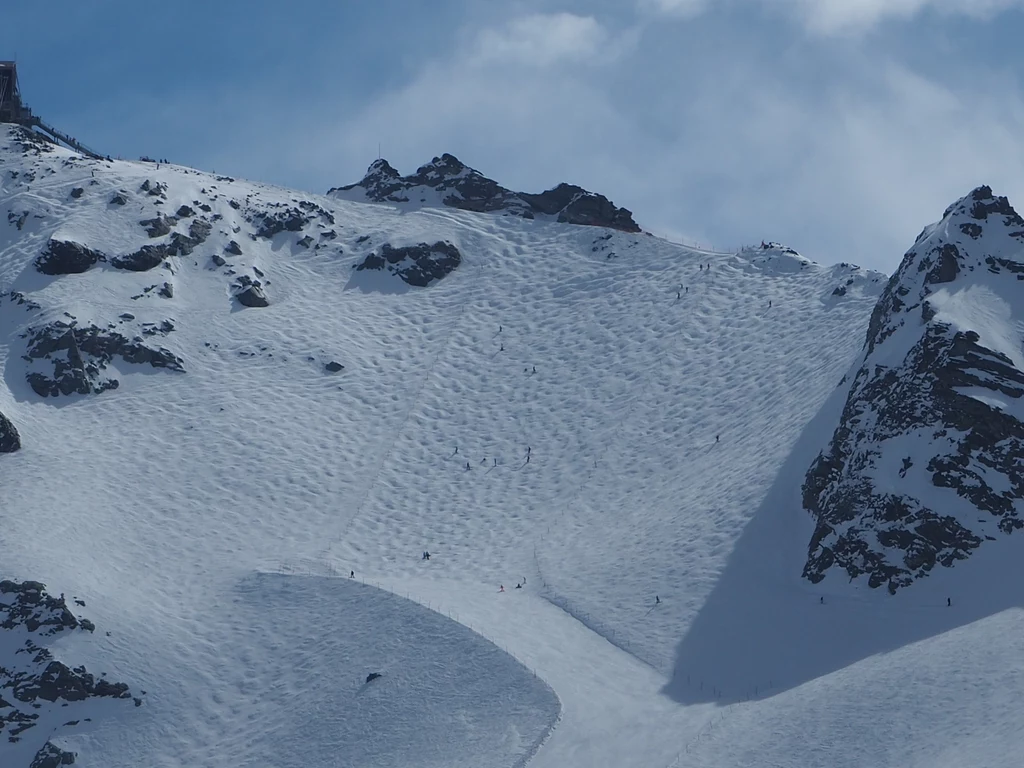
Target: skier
499, 329
716, 438
949, 603
678, 296
535, 369
769, 303
456, 450
426, 555
467, 465
351, 574
519, 586
821, 599
502, 348
657, 600
495, 462
501, 588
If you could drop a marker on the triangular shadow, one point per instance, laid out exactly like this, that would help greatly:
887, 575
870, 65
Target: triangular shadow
764, 630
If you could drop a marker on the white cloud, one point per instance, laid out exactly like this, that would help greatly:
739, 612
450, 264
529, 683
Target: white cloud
830, 17
685, 9
846, 164
840, 16
541, 40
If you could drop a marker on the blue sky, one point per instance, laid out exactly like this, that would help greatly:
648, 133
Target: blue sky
840, 127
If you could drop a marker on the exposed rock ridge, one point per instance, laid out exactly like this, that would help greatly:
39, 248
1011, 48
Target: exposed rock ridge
925, 463
460, 186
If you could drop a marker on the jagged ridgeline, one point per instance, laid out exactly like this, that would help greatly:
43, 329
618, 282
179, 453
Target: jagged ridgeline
926, 463
448, 181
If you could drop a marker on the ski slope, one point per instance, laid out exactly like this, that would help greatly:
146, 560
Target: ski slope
210, 519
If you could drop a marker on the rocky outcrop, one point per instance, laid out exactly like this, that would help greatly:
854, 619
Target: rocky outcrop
159, 226
459, 186
250, 292
418, 265
143, 260
924, 465
273, 223
62, 257
575, 205
74, 359
32, 682
50, 756
10, 440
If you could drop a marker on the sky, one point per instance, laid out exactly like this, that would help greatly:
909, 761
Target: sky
838, 127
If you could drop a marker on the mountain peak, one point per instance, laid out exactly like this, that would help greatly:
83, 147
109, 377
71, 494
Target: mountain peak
981, 203
933, 409
447, 181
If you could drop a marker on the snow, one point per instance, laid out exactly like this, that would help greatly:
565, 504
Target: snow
210, 519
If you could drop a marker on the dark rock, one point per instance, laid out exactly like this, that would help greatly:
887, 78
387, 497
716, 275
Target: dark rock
289, 220
892, 533
77, 192
155, 189
159, 226
417, 265
305, 242
198, 231
218, 260
233, 249
66, 258
50, 756
167, 291
574, 205
467, 189
80, 355
251, 293
373, 676
119, 198
184, 212
334, 367
10, 440
17, 219
144, 259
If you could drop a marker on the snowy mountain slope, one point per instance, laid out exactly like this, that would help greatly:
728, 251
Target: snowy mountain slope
323, 427
926, 462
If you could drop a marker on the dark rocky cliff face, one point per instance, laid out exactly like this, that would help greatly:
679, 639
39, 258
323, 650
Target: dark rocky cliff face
460, 186
927, 462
